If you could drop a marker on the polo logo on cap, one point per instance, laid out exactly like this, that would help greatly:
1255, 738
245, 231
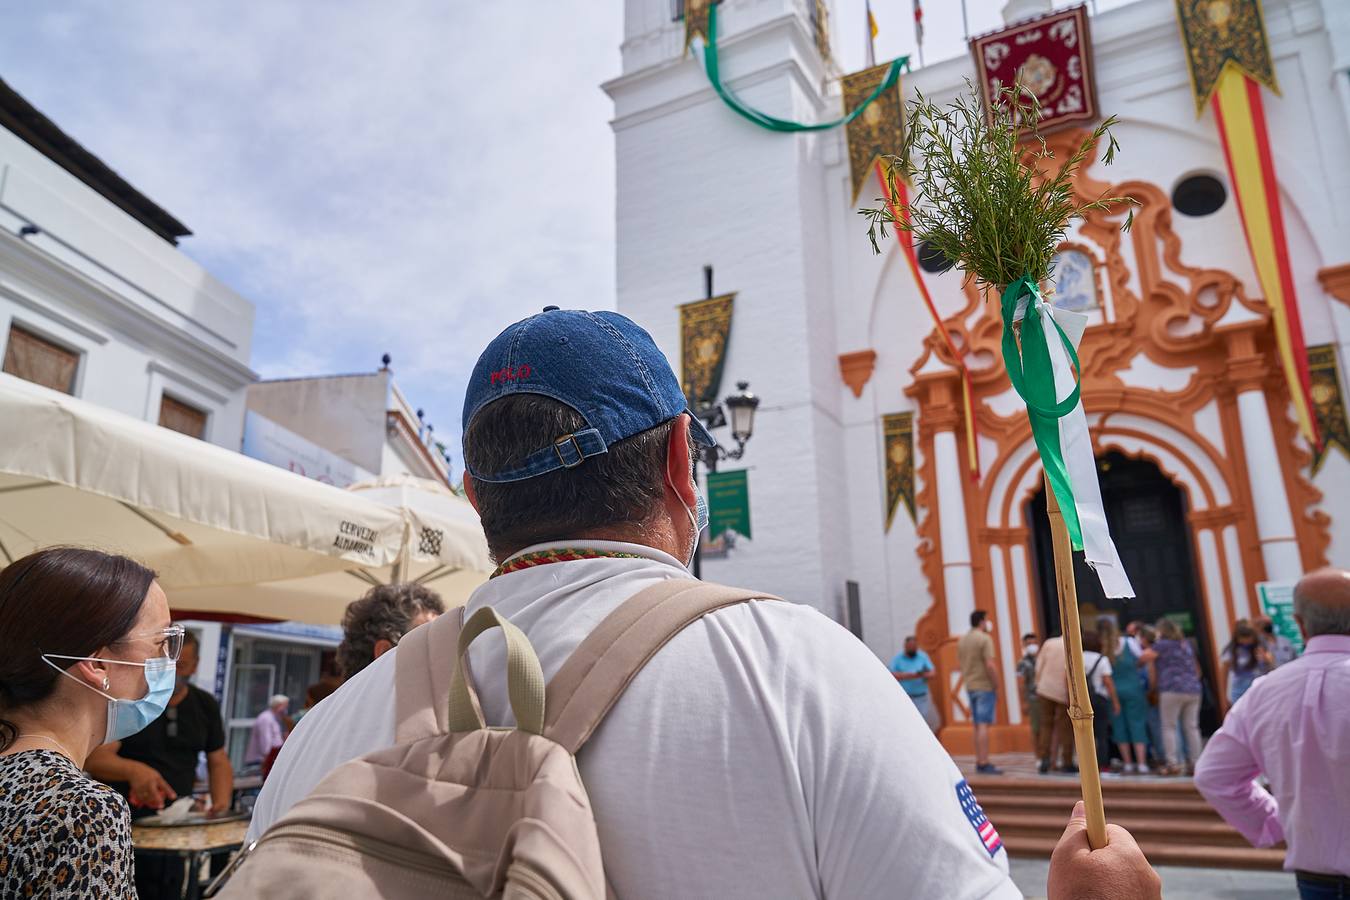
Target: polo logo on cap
511, 373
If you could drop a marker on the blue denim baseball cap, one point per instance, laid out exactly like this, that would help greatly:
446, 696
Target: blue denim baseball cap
601, 364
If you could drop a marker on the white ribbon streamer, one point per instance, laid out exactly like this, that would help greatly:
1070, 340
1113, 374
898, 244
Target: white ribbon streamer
1079, 460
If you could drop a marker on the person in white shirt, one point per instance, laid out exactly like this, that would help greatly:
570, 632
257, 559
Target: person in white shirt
764, 751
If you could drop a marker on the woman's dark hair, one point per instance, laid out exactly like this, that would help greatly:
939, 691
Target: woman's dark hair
62, 600
1092, 641
624, 486
1242, 630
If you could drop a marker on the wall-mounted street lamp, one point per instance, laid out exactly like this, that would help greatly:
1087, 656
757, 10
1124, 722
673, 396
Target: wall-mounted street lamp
741, 406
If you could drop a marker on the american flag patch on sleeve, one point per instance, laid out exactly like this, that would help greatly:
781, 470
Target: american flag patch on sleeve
978, 820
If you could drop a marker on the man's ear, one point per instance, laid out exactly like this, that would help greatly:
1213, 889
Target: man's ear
1301, 630
469, 491
679, 450
382, 646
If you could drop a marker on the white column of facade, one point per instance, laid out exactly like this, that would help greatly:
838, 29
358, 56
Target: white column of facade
957, 578
1248, 371
1274, 522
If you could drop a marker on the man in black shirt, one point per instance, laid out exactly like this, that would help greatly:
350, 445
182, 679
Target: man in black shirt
159, 764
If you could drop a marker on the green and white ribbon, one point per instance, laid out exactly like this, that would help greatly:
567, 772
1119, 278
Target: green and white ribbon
764, 120
1045, 373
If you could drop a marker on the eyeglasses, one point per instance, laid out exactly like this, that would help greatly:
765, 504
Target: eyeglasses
169, 640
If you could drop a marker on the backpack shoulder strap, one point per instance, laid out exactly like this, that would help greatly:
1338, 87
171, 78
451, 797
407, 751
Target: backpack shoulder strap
593, 678
423, 666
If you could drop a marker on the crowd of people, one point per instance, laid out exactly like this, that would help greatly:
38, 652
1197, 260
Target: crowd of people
1277, 768
1145, 686
753, 749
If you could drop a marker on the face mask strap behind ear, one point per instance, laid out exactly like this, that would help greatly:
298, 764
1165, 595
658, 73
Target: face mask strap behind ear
150, 666
698, 517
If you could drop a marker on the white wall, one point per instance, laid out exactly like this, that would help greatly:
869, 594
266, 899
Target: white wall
146, 319
698, 185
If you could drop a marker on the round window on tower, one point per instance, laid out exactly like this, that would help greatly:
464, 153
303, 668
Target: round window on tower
932, 260
1199, 195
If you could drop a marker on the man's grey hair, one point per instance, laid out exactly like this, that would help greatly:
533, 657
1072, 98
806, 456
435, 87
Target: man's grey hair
385, 613
1321, 618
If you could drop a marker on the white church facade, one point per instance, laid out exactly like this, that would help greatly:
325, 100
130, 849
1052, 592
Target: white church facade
1209, 486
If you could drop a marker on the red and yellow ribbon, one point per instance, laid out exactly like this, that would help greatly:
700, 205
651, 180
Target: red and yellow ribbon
1251, 168
899, 207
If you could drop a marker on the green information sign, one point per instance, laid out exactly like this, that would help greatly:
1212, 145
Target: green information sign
728, 503
1277, 600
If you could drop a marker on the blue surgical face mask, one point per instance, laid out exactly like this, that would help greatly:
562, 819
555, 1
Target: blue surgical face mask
126, 717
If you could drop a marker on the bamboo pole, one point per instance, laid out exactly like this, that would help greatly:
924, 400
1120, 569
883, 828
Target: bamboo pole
1080, 706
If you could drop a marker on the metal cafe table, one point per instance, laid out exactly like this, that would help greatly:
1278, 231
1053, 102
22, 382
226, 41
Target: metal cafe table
195, 841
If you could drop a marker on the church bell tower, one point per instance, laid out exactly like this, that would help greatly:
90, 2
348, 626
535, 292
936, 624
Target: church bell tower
699, 185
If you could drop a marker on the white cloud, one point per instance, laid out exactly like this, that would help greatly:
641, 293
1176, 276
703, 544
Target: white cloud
406, 177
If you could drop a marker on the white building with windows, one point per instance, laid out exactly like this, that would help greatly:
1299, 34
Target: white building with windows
1209, 488
342, 429
96, 298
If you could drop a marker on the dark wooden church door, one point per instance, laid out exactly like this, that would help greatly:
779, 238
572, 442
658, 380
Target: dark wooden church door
1147, 516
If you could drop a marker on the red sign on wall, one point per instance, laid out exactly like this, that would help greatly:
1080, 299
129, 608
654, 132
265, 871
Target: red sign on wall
1051, 56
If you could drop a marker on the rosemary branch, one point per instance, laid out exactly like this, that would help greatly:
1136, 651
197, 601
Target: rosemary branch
977, 195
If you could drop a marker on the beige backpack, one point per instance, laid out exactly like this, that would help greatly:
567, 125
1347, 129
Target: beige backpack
459, 810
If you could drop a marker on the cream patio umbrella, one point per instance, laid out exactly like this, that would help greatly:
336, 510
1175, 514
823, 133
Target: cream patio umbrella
445, 551
226, 533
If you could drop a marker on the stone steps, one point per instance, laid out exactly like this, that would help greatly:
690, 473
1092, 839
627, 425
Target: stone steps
1173, 824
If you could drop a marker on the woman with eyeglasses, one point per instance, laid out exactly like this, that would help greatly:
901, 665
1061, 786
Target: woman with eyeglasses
87, 656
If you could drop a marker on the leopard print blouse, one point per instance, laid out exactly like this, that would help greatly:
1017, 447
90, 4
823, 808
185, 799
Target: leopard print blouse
62, 835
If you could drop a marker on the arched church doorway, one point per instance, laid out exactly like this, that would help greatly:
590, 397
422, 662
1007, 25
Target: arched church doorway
1147, 515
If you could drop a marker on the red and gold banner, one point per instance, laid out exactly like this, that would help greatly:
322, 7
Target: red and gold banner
1228, 56
1051, 56
899, 206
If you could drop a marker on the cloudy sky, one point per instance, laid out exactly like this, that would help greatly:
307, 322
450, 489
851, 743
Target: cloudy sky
376, 175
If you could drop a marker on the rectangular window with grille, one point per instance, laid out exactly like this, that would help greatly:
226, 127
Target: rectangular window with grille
40, 361
180, 417
678, 10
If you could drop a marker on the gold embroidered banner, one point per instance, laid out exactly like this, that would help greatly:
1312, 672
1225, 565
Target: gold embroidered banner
696, 19
705, 328
1221, 33
820, 19
898, 429
1328, 402
879, 130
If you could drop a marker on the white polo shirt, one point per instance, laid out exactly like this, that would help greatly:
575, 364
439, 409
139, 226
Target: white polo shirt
763, 752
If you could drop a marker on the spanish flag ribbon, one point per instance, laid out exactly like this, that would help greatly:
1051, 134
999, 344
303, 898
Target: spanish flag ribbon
1246, 146
1228, 58
898, 204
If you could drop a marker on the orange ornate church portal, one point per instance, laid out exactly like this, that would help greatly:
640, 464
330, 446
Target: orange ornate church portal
1177, 365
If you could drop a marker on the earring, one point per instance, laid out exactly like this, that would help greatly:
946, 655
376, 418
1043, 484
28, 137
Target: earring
106, 685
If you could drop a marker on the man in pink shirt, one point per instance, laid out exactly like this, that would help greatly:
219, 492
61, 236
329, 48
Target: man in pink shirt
1293, 725
267, 733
